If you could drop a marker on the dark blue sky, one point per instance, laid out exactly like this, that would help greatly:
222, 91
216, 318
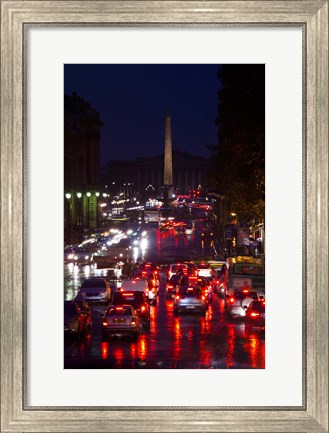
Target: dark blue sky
133, 100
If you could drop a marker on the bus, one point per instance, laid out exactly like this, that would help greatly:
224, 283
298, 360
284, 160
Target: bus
244, 273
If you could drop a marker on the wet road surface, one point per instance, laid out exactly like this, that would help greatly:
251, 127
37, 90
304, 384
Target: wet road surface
184, 341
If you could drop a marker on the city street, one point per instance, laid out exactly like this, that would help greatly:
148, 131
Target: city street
184, 341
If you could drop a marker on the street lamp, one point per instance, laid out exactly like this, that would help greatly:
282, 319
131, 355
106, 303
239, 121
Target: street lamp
88, 194
68, 196
79, 195
97, 196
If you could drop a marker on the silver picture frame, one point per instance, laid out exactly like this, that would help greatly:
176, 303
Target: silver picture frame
16, 17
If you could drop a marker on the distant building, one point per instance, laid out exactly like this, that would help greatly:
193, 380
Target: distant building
82, 126
145, 175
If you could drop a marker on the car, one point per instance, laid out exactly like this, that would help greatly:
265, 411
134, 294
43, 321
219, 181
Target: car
207, 234
94, 289
68, 254
138, 300
81, 256
148, 284
172, 285
191, 269
153, 288
255, 313
180, 232
177, 268
190, 299
204, 285
204, 270
150, 267
137, 284
237, 303
77, 318
121, 320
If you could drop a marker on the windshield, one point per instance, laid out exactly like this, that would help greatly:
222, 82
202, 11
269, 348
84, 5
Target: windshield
93, 283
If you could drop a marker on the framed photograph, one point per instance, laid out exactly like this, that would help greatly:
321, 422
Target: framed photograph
48, 50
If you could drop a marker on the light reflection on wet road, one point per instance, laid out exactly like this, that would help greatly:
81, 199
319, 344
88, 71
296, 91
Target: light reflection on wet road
186, 341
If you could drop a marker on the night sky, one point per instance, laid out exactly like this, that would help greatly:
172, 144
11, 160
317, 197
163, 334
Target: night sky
133, 100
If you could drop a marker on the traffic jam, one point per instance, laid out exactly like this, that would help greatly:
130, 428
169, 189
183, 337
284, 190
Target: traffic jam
156, 295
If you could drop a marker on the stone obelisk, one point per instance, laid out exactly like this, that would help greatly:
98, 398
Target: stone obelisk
167, 176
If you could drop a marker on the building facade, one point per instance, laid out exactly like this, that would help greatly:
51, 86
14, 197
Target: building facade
146, 175
82, 125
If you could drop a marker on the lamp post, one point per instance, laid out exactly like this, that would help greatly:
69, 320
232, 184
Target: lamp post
68, 196
88, 194
97, 195
105, 203
79, 195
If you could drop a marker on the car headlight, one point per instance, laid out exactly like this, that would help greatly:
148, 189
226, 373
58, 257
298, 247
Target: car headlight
70, 256
86, 257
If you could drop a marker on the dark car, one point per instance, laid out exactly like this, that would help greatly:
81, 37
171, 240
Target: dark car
255, 313
172, 285
77, 318
138, 300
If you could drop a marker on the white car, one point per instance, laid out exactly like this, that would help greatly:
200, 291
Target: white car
237, 303
140, 285
175, 268
204, 270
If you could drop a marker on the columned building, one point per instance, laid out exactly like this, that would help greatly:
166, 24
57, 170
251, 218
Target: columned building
144, 175
82, 126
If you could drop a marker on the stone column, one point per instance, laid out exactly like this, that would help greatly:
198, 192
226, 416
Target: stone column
168, 176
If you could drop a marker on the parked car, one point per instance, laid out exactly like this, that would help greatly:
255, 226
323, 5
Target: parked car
191, 299
137, 300
237, 303
94, 289
121, 320
77, 318
255, 313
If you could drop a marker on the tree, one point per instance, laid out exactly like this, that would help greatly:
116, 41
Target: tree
238, 171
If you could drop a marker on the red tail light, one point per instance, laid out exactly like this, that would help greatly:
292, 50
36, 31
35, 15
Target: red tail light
203, 297
177, 297
170, 286
254, 314
104, 323
245, 291
143, 308
153, 290
231, 300
119, 308
133, 322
